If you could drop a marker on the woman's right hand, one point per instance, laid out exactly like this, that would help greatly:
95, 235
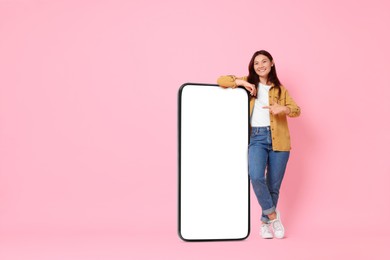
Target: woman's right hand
248, 86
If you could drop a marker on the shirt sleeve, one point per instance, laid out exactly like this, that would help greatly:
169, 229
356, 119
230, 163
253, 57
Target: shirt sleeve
295, 110
228, 81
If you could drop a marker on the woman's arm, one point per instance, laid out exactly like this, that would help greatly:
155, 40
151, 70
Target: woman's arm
295, 110
231, 81
228, 81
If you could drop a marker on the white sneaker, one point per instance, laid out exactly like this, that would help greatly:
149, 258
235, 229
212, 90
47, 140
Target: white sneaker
266, 231
277, 226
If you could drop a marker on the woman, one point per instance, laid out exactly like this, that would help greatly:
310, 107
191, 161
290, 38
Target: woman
269, 146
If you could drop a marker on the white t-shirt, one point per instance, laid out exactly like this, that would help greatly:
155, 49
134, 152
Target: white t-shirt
260, 115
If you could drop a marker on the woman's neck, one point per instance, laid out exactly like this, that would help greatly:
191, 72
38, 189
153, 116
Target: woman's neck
263, 80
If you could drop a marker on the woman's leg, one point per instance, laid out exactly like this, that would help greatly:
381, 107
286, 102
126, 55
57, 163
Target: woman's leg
258, 156
275, 173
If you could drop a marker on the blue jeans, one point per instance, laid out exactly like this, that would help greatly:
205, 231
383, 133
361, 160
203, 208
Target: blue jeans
266, 169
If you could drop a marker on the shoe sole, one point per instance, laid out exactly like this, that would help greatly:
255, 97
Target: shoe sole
270, 236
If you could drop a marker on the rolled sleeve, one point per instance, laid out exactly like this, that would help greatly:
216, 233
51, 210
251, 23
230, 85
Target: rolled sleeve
228, 81
295, 110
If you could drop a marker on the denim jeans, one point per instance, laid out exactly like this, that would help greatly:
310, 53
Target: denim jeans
266, 169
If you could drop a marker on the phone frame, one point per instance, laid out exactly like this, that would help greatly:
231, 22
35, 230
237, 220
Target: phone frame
179, 168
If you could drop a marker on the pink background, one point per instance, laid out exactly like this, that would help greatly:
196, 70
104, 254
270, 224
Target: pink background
88, 124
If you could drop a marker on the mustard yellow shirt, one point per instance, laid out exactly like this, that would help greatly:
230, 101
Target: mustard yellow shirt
278, 123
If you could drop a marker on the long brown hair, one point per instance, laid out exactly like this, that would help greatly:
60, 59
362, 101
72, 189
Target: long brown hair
253, 78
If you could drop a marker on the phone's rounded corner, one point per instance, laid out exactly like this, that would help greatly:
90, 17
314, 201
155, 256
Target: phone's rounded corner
247, 234
246, 91
182, 237
181, 88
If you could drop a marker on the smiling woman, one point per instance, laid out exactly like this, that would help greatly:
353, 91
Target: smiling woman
269, 147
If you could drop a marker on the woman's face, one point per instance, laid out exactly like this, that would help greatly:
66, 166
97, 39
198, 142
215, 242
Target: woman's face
262, 65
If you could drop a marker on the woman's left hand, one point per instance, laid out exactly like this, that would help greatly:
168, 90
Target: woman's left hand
277, 109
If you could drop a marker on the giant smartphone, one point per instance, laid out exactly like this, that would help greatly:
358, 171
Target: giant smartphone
213, 131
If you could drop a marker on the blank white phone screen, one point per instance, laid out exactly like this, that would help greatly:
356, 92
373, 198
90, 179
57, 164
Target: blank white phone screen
213, 163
